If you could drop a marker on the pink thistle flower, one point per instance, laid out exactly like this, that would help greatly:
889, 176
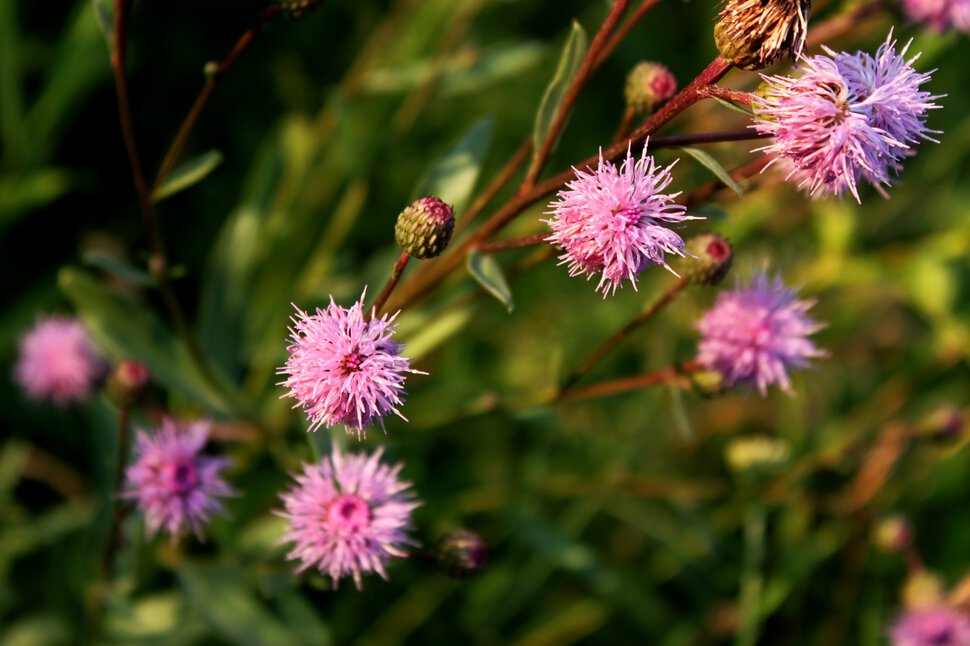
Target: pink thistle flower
610, 222
57, 361
933, 626
344, 368
755, 333
348, 515
846, 118
939, 15
175, 486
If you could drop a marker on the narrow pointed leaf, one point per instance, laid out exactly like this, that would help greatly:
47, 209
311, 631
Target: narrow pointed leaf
119, 268
488, 273
715, 167
452, 178
569, 61
731, 105
104, 12
188, 174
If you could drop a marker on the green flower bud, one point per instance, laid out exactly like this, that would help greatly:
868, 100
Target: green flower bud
461, 553
757, 455
424, 228
298, 8
712, 259
648, 86
894, 534
128, 383
754, 34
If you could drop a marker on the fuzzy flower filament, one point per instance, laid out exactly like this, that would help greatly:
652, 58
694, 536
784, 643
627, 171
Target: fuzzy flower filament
756, 333
845, 118
344, 368
176, 487
348, 515
613, 222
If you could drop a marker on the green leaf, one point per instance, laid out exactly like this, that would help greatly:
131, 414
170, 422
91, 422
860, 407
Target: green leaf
572, 55
731, 105
126, 329
104, 12
187, 174
715, 167
119, 268
488, 273
23, 191
452, 177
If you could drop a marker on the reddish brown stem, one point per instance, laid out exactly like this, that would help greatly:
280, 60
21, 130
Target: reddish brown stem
704, 138
624, 30
705, 191
178, 144
840, 24
496, 185
513, 243
734, 96
118, 514
391, 283
673, 375
585, 69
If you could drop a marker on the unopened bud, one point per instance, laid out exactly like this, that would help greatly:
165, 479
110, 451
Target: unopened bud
757, 454
754, 34
894, 534
923, 589
298, 8
461, 553
424, 228
648, 86
128, 383
712, 259
944, 424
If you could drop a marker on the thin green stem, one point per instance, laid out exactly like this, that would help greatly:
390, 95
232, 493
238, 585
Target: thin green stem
752, 577
621, 335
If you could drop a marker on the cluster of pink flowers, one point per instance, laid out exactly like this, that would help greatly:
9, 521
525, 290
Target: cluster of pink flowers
939, 15
57, 362
931, 626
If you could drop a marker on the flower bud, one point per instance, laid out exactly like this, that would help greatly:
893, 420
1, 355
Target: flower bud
424, 228
754, 34
648, 86
922, 590
128, 383
712, 260
944, 424
894, 534
298, 8
757, 454
461, 554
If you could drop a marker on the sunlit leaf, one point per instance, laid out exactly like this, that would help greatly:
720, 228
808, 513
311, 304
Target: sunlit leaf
569, 61
452, 178
187, 174
715, 167
488, 273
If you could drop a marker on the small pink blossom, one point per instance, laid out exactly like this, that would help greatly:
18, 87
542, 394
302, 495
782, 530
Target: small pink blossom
939, 15
613, 222
933, 626
57, 362
175, 486
344, 368
348, 515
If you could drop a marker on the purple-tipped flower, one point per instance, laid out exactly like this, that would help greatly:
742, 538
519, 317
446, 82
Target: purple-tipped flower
755, 333
57, 361
611, 221
344, 368
348, 514
845, 118
939, 15
175, 486
933, 626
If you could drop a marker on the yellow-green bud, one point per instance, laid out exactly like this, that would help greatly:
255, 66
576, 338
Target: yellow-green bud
712, 259
758, 454
461, 553
298, 8
128, 383
648, 86
424, 228
754, 34
894, 534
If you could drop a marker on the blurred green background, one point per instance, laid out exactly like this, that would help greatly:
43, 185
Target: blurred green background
613, 520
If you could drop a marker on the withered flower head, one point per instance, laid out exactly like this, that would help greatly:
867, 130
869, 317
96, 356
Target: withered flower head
754, 34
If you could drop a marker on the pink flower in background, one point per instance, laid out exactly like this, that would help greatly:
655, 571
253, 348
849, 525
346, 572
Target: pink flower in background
933, 626
612, 222
755, 333
57, 361
939, 15
845, 118
344, 368
348, 515
175, 486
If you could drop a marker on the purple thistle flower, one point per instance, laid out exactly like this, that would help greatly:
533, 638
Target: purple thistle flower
175, 486
939, 15
57, 361
933, 626
344, 368
610, 222
847, 117
755, 333
348, 515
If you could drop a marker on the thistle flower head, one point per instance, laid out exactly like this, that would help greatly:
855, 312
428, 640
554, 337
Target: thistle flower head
344, 368
939, 15
754, 34
755, 333
612, 222
932, 626
845, 118
174, 485
57, 361
348, 515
